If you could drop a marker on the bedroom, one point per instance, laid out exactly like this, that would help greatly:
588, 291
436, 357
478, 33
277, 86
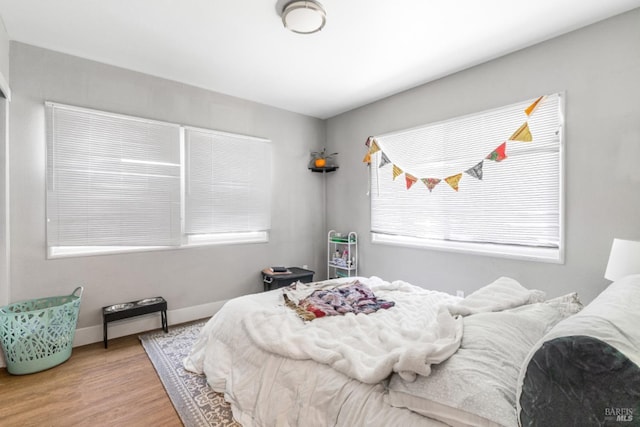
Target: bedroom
597, 66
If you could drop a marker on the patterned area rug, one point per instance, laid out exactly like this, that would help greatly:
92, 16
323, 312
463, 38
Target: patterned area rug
196, 404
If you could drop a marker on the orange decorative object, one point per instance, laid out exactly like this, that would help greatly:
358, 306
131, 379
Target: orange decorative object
320, 162
533, 106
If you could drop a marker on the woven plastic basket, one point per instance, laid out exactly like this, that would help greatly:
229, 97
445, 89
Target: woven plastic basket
38, 334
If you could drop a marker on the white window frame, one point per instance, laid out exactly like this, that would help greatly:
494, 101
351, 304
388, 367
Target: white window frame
528, 253
187, 241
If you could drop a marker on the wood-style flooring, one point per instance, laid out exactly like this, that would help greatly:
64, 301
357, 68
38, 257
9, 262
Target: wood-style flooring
117, 386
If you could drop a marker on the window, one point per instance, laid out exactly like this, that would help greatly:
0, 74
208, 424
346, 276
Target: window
119, 183
482, 203
227, 185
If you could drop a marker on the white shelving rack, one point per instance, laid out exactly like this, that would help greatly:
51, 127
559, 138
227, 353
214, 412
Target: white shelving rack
342, 254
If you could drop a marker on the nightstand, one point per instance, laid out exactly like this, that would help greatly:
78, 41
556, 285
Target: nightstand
271, 280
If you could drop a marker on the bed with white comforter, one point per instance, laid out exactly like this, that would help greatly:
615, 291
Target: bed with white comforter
431, 360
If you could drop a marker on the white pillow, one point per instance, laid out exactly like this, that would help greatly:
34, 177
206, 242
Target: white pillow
477, 385
502, 294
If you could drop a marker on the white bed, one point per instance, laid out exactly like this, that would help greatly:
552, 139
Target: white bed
431, 360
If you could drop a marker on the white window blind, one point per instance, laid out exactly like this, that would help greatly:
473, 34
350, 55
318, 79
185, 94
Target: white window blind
517, 203
228, 183
112, 180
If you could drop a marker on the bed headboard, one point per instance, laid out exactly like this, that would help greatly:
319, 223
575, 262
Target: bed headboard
586, 369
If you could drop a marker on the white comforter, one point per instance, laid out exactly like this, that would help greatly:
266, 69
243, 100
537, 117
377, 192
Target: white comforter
408, 338
265, 389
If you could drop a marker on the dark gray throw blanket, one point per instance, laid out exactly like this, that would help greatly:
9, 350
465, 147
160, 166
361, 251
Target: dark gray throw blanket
597, 385
585, 370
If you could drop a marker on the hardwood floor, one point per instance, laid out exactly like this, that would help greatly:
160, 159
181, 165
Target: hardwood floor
117, 386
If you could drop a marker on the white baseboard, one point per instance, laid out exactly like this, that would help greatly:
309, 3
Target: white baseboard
135, 325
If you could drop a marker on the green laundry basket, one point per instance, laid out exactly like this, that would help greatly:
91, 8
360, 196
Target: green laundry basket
38, 334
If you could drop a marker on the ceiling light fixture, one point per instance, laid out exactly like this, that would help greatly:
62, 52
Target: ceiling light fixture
304, 16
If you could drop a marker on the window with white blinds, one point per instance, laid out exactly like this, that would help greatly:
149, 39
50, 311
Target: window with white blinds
228, 181
118, 183
112, 180
514, 208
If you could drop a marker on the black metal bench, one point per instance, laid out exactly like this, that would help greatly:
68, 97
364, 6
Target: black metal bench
126, 310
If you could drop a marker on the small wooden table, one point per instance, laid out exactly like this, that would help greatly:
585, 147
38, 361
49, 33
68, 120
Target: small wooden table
126, 310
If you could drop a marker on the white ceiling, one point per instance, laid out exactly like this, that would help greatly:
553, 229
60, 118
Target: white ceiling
369, 49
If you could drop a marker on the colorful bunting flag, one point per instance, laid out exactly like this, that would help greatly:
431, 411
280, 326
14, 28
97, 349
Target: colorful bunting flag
522, 134
476, 171
529, 110
374, 147
396, 172
499, 154
410, 180
383, 160
454, 180
367, 158
431, 183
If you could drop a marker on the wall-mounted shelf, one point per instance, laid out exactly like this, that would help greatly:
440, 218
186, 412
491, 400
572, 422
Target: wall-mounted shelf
325, 169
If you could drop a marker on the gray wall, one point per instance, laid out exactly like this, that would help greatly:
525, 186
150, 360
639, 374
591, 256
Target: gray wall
599, 68
4, 170
4, 55
185, 277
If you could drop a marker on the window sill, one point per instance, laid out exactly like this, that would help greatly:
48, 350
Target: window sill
227, 238
539, 254
192, 241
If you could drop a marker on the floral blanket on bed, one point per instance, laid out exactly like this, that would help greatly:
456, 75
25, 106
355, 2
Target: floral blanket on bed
356, 298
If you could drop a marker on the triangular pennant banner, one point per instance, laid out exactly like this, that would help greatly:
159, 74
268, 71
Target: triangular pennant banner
476, 171
396, 172
367, 158
522, 134
499, 154
453, 181
383, 160
410, 180
431, 183
373, 148
368, 142
529, 110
